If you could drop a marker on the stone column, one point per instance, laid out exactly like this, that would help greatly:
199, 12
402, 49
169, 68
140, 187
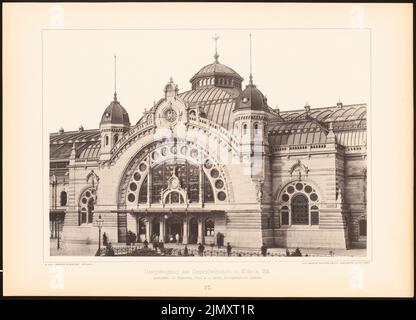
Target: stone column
148, 230
162, 229
200, 231
201, 185
185, 230
149, 184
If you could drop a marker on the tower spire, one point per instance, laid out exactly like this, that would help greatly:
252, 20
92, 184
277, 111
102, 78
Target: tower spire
115, 77
251, 66
216, 55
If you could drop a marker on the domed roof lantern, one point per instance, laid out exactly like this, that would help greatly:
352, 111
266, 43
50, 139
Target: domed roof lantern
171, 89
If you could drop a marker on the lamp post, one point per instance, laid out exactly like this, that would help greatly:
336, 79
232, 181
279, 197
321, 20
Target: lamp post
99, 225
58, 226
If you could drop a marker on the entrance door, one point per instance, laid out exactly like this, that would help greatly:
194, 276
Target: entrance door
174, 226
193, 231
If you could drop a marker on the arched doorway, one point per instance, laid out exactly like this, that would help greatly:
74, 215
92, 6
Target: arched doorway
155, 229
300, 214
174, 226
141, 230
193, 231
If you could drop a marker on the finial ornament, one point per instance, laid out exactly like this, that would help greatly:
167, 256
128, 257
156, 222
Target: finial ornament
115, 77
251, 66
216, 55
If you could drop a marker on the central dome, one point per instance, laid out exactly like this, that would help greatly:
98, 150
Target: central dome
216, 68
216, 74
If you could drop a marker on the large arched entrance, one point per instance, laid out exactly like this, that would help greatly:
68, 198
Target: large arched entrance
174, 229
193, 231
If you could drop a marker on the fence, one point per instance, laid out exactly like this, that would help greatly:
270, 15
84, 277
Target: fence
208, 252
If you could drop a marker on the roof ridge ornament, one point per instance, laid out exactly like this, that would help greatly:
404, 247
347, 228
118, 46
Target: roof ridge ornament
251, 65
216, 55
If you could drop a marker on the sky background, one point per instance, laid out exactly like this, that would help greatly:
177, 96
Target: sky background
290, 66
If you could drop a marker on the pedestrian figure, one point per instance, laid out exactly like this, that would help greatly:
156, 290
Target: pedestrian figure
201, 249
177, 238
105, 239
161, 246
229, 249
155, 243
145, 243
263, 250
185, 251
109, 251
287, 252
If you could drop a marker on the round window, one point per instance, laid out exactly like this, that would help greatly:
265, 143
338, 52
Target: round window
219, 184
184, 150
155, 155
215, 173
131, 197
314, 197
133, 186
88, 194
137, 176
164, 151
173, 150
285, 197
194, 153
308, 189
208, 164
84, 200
142, 167
290, 189
221, 196
299, 186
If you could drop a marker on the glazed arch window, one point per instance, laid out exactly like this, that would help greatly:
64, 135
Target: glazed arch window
209, 227
245, 129
299, 206
314, 215
285, 216
64, 198
362, 226
86, 204
256, 129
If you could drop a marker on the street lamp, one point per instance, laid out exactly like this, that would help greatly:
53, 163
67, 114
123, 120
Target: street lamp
99, 225
58, 227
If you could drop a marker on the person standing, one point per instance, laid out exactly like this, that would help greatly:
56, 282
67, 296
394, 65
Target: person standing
177, 238
185, 251
201, 249
229, 248
263, 250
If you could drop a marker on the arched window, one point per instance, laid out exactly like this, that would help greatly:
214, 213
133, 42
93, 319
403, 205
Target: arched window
192, 113
86, 204
106, 140
209, 227
256, 129
314, 215
64, 198
362, 224
115, 138
245, 129
285, 216
90, 209
143, 192
299, 210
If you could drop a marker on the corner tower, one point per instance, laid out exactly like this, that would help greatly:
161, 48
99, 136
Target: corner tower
114, 123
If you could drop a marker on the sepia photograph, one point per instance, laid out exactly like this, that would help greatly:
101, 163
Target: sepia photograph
225, 143
202, 150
